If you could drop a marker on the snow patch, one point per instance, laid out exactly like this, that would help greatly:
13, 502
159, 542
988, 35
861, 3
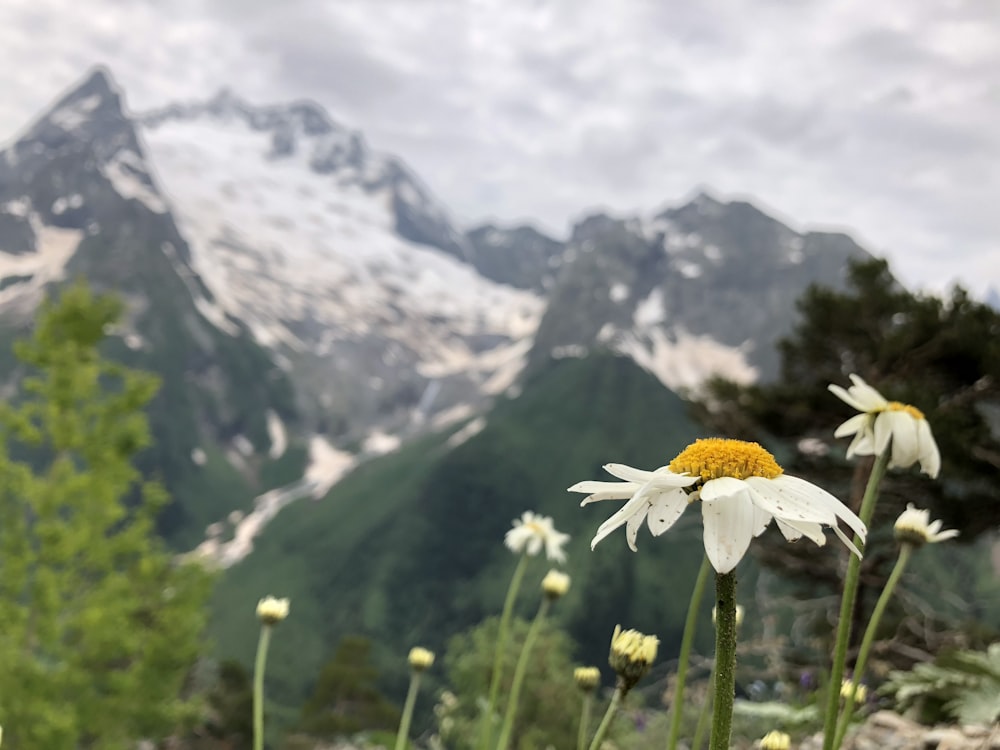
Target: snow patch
243, 445
379, 443
326, 466
471, 429
685, 360
60, 205
619, 292
54, 246
74, 115
688, 269
575, 351
650, 312
279, 243
276, 432
19, 207
123, 170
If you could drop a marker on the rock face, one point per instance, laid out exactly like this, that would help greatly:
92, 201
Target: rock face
885, 730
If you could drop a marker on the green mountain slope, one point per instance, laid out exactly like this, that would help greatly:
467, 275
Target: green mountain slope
409, 548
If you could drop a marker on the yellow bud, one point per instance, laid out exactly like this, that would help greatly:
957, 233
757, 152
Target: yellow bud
420, 659
555, 584
271, 610
587, 678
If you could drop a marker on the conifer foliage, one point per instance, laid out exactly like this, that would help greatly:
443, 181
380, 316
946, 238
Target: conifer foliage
98, 625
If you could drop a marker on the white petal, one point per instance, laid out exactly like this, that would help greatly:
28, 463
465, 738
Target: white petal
785, 502
628, 473
866, 395
930, 457
666, 509
863, 444
599, 496
823, 498
633, 525
729, 527
905, 444
794, 530
847, 542
723, 487
851, 426
534, 545
883, 432
761, 520
622, 489
846, 397
637, 504
790, 533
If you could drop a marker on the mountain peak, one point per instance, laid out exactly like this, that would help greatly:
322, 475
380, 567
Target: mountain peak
95, 98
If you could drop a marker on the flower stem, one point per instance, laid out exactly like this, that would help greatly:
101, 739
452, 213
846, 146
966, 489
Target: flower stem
704, 715
258, 686
847, 604
602, 730
486, 724
581, 737
690, 624
519, 671
869, 639
725, 660
404, 722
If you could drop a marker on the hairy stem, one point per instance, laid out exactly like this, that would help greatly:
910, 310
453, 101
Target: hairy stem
690, 625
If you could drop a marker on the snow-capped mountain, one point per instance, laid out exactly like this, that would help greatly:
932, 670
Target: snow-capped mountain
288, 282
78, 197
339, 259
707, 288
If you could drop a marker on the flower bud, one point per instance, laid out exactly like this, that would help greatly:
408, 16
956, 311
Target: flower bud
774, 740
555, 584
632, 654
420, 659
587, 678
271, 610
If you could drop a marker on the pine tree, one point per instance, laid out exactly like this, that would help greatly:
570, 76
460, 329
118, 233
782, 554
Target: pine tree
940, 354
98, 625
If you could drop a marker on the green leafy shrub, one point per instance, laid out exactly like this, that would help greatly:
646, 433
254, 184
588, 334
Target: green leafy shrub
962, 686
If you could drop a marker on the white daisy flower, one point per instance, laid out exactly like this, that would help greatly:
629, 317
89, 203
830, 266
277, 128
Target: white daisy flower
531, 532
914, 526
881, 422
741, 488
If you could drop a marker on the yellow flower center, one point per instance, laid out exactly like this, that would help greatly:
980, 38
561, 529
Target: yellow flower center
535, 528
911, 410
712, 458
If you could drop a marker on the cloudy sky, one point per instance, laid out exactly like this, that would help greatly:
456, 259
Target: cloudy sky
881, 118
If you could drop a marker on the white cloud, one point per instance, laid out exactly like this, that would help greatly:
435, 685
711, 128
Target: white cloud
878, 117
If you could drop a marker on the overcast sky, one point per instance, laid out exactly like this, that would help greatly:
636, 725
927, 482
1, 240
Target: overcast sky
878, 117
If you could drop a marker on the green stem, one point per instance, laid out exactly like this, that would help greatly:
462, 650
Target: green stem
690, 625
519, 671
411, 700
486, 724
866, 644
581, 737
847, 604
258, 686
602, 730
725, 660
704, 715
